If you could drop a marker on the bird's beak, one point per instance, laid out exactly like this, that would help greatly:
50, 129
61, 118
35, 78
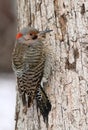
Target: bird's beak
44, 32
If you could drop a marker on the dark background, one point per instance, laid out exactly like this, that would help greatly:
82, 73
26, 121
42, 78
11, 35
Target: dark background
7, 33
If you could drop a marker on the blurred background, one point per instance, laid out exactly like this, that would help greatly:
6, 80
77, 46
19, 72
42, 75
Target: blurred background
7, 78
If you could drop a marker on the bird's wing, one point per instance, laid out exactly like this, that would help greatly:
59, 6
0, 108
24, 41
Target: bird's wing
28, 82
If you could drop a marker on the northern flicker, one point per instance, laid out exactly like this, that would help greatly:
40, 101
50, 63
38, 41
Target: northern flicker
28, 62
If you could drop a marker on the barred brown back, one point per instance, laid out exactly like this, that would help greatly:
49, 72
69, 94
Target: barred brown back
28, 62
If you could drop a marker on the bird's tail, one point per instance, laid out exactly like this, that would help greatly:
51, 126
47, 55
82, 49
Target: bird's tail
43, 103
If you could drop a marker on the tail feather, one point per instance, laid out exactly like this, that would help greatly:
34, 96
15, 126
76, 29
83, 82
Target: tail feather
43, 103
29, 101
24, 99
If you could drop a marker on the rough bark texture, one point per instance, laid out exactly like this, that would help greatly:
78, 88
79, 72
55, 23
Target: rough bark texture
67, 89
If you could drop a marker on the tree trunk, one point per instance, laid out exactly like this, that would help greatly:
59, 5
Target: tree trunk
67, 89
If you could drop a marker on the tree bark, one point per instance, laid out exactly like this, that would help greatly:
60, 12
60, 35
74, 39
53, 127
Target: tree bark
67, 89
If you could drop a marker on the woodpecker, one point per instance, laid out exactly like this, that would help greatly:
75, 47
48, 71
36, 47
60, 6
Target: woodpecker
28, 62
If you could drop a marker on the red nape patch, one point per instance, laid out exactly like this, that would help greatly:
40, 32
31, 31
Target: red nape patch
19, 35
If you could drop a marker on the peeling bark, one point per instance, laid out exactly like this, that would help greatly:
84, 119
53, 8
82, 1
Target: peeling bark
68, 82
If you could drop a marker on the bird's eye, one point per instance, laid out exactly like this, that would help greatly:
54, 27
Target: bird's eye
31, 34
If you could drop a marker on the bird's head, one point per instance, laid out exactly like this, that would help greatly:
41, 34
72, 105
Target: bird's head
27, 33
30, 34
